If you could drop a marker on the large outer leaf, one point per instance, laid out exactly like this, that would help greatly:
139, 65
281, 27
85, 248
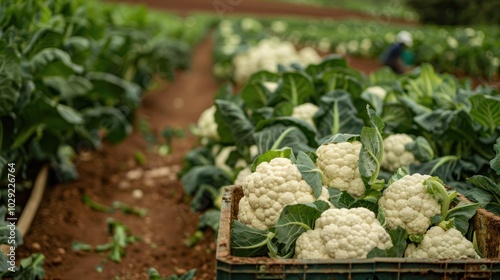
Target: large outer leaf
297, 88
209, 175
486, 111
43, 113
370, 155
280, 136
264, 76
297, 219
328, 62
111, 88
495, 162
204, 196
397, 117
50, 55
461, 215
422, 88
247, 241
285, 132
448, 125
337, 114
69, 88
339, 138
383, 76
255, 95
109, 119
9, 82
485, 183
304, 127
69, 114
235, 119
310, 173
210, 219
345, 79
448, 168
333, 60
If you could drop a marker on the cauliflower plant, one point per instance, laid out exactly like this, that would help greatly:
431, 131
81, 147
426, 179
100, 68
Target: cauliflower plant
223, 155
271, 86
207, 127
343, 234
408, 204
339, 164
267, 55
395, 154
378, 91
242, 175
269, 189
309, 55
305, 112
439, 243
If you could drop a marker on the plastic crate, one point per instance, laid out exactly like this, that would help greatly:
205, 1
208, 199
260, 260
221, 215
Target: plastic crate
240, 268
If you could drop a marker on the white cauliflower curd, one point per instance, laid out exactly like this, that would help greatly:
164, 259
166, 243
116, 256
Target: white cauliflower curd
269, 189
408, 204
395, 154
305, 112
207, 127
267, 55
439, 243
343, 234
339, 164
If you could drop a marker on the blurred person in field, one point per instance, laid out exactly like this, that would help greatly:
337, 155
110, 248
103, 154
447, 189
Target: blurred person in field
394, 55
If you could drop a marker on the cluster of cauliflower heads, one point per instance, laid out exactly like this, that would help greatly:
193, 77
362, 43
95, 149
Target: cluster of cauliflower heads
408, 204
267, 55
349, 233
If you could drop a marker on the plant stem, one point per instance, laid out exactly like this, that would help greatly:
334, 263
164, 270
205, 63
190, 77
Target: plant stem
282, 136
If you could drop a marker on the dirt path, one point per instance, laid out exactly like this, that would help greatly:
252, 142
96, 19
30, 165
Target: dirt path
63, 218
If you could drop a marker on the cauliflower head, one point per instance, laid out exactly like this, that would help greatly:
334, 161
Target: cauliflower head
207, 127
343, 234
305, 112
395, 154
378, 91
439, 243
242, 175
271, 86
222, 157
269, 189
339, 164
308, 56
407, 203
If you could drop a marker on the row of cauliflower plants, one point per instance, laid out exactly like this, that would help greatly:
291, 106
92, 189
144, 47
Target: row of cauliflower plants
463, 50
434, 125
73, 72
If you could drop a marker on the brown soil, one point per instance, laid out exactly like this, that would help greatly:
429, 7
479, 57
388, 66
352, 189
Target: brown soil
63, 218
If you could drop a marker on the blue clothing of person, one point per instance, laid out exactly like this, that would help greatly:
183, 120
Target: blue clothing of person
392, 57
